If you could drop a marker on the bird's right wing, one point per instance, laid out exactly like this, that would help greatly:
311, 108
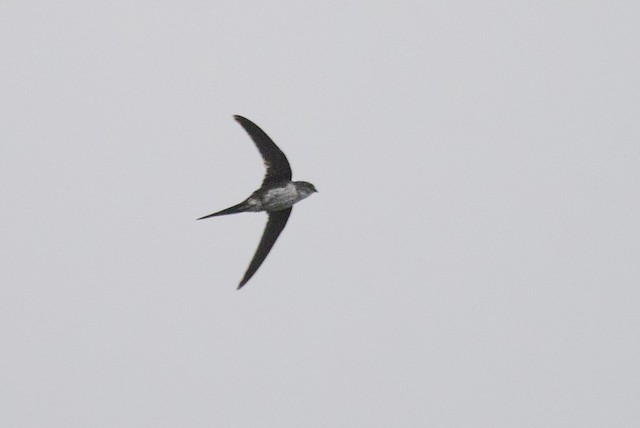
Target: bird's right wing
275, 161
275, 224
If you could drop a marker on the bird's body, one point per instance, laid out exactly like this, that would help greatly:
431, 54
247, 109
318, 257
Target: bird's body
281, 197
277, 195
276, 198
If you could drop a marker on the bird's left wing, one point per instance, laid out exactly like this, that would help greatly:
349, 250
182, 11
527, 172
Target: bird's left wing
275, 224
278, 168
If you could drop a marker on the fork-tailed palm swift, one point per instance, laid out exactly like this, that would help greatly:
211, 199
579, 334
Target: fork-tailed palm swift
276, 196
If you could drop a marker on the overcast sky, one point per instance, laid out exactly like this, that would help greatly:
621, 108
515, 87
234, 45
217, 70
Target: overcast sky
472, 258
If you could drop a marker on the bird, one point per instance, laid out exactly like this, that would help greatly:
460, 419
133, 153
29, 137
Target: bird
277, 194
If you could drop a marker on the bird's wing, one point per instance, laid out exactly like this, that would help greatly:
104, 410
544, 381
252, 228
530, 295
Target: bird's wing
275, 224
275, 161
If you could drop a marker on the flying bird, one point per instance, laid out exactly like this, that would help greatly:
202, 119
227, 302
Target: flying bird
276, 196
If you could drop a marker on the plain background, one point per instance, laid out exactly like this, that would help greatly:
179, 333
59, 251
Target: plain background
472, 258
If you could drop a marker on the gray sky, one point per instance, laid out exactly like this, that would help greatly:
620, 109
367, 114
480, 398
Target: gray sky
472, 258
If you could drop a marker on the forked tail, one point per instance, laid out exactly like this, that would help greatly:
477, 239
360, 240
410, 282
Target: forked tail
240, 208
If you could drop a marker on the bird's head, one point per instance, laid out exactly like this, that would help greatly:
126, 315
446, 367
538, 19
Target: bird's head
305, 188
